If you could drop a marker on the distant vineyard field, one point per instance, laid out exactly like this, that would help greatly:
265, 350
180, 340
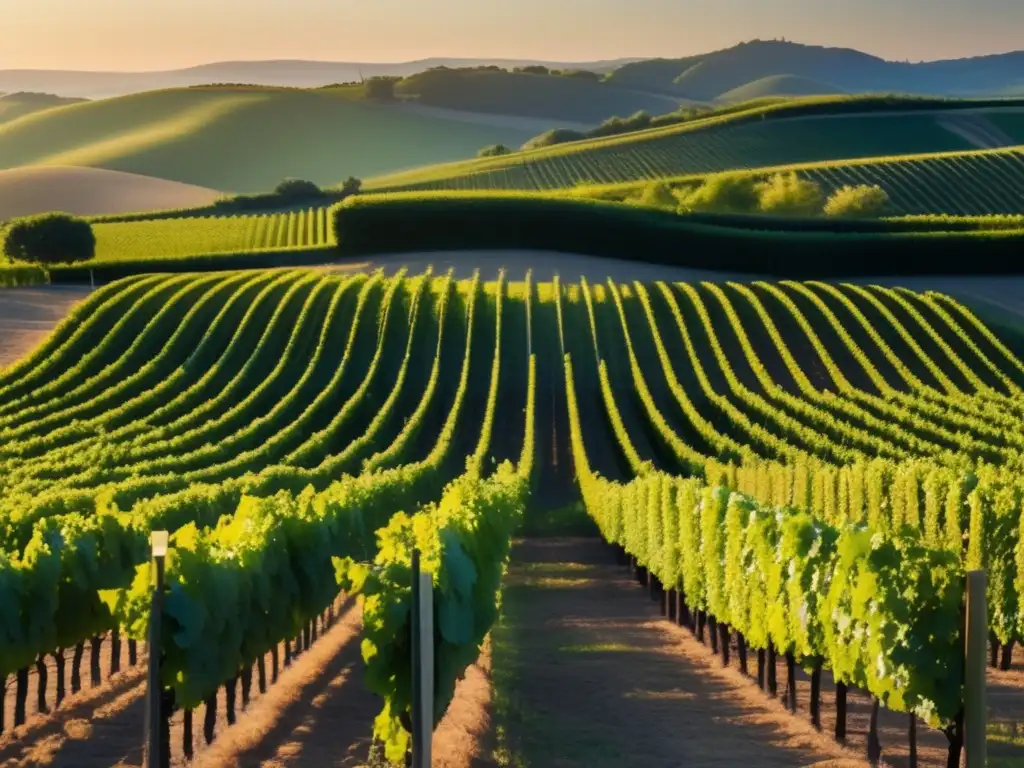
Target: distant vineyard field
173, 238
692, 149
277, 422
975, 183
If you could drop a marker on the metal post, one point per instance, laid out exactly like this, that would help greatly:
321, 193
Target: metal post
976, 644
426, 643
158, 542
417, 663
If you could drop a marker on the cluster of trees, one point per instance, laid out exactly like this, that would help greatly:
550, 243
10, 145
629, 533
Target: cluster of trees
615, 126
494, 150
781, 194
540, 69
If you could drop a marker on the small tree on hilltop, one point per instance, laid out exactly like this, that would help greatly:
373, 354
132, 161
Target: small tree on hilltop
722, 193
50, 238
297, 189
494, 150
786, 194
858, 202
351, 186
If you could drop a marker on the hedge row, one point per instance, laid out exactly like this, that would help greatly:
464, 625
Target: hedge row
426, 221
16, 277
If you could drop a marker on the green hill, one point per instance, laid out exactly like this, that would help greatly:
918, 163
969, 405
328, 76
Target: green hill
1010, 122
245, 139
708, 75
779, 85
576, 99
15, 105
783, 133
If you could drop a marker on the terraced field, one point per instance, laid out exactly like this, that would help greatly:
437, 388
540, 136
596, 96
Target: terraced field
973, 183
279, 420
173, 238
704, 146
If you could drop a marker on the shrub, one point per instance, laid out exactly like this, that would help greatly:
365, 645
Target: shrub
494, 150
552, 137
50, 238
786, 194
658, 194
613, 126
297, 189
351, 186
381, 88
858, 202
723, 193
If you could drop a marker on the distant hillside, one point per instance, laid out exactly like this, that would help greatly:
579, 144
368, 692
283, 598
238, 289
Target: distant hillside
15, 105
302, 74
246, 139
91, 192
711, 75
761, 134
532, 95
779, 85
973, 183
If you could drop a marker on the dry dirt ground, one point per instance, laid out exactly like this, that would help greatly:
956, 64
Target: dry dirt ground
27, 315
581, 670
92, 191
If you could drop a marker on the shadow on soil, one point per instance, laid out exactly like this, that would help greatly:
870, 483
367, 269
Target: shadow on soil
585, 675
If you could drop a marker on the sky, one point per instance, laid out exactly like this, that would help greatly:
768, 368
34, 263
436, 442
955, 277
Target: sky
133, 35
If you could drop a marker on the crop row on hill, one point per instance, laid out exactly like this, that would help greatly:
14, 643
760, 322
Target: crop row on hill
278, 422
420, 222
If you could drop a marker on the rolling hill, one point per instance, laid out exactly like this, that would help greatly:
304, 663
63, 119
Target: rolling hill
15, 105
91, 192
793, 131
779, 85
533, 95
246, 139
711, 75
293, 73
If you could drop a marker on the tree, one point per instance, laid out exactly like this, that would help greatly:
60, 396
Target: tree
297, 189
494, 150
858, 202
351, 186
50, 238
581, 74
381, 88
532, 69
786, 194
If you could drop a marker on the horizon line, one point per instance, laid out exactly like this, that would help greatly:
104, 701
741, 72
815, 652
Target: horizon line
506, 58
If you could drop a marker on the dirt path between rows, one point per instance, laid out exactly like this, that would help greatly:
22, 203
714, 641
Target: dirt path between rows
27, 315
587, 673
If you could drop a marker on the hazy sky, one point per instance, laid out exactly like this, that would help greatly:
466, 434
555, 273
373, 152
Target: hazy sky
160, 34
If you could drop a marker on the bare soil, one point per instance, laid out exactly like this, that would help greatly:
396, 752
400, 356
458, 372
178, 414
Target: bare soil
27, 315
587, 673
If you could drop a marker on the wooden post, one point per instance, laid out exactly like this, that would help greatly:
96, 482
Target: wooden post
422, 664
154, 719
976, 640
840, 711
